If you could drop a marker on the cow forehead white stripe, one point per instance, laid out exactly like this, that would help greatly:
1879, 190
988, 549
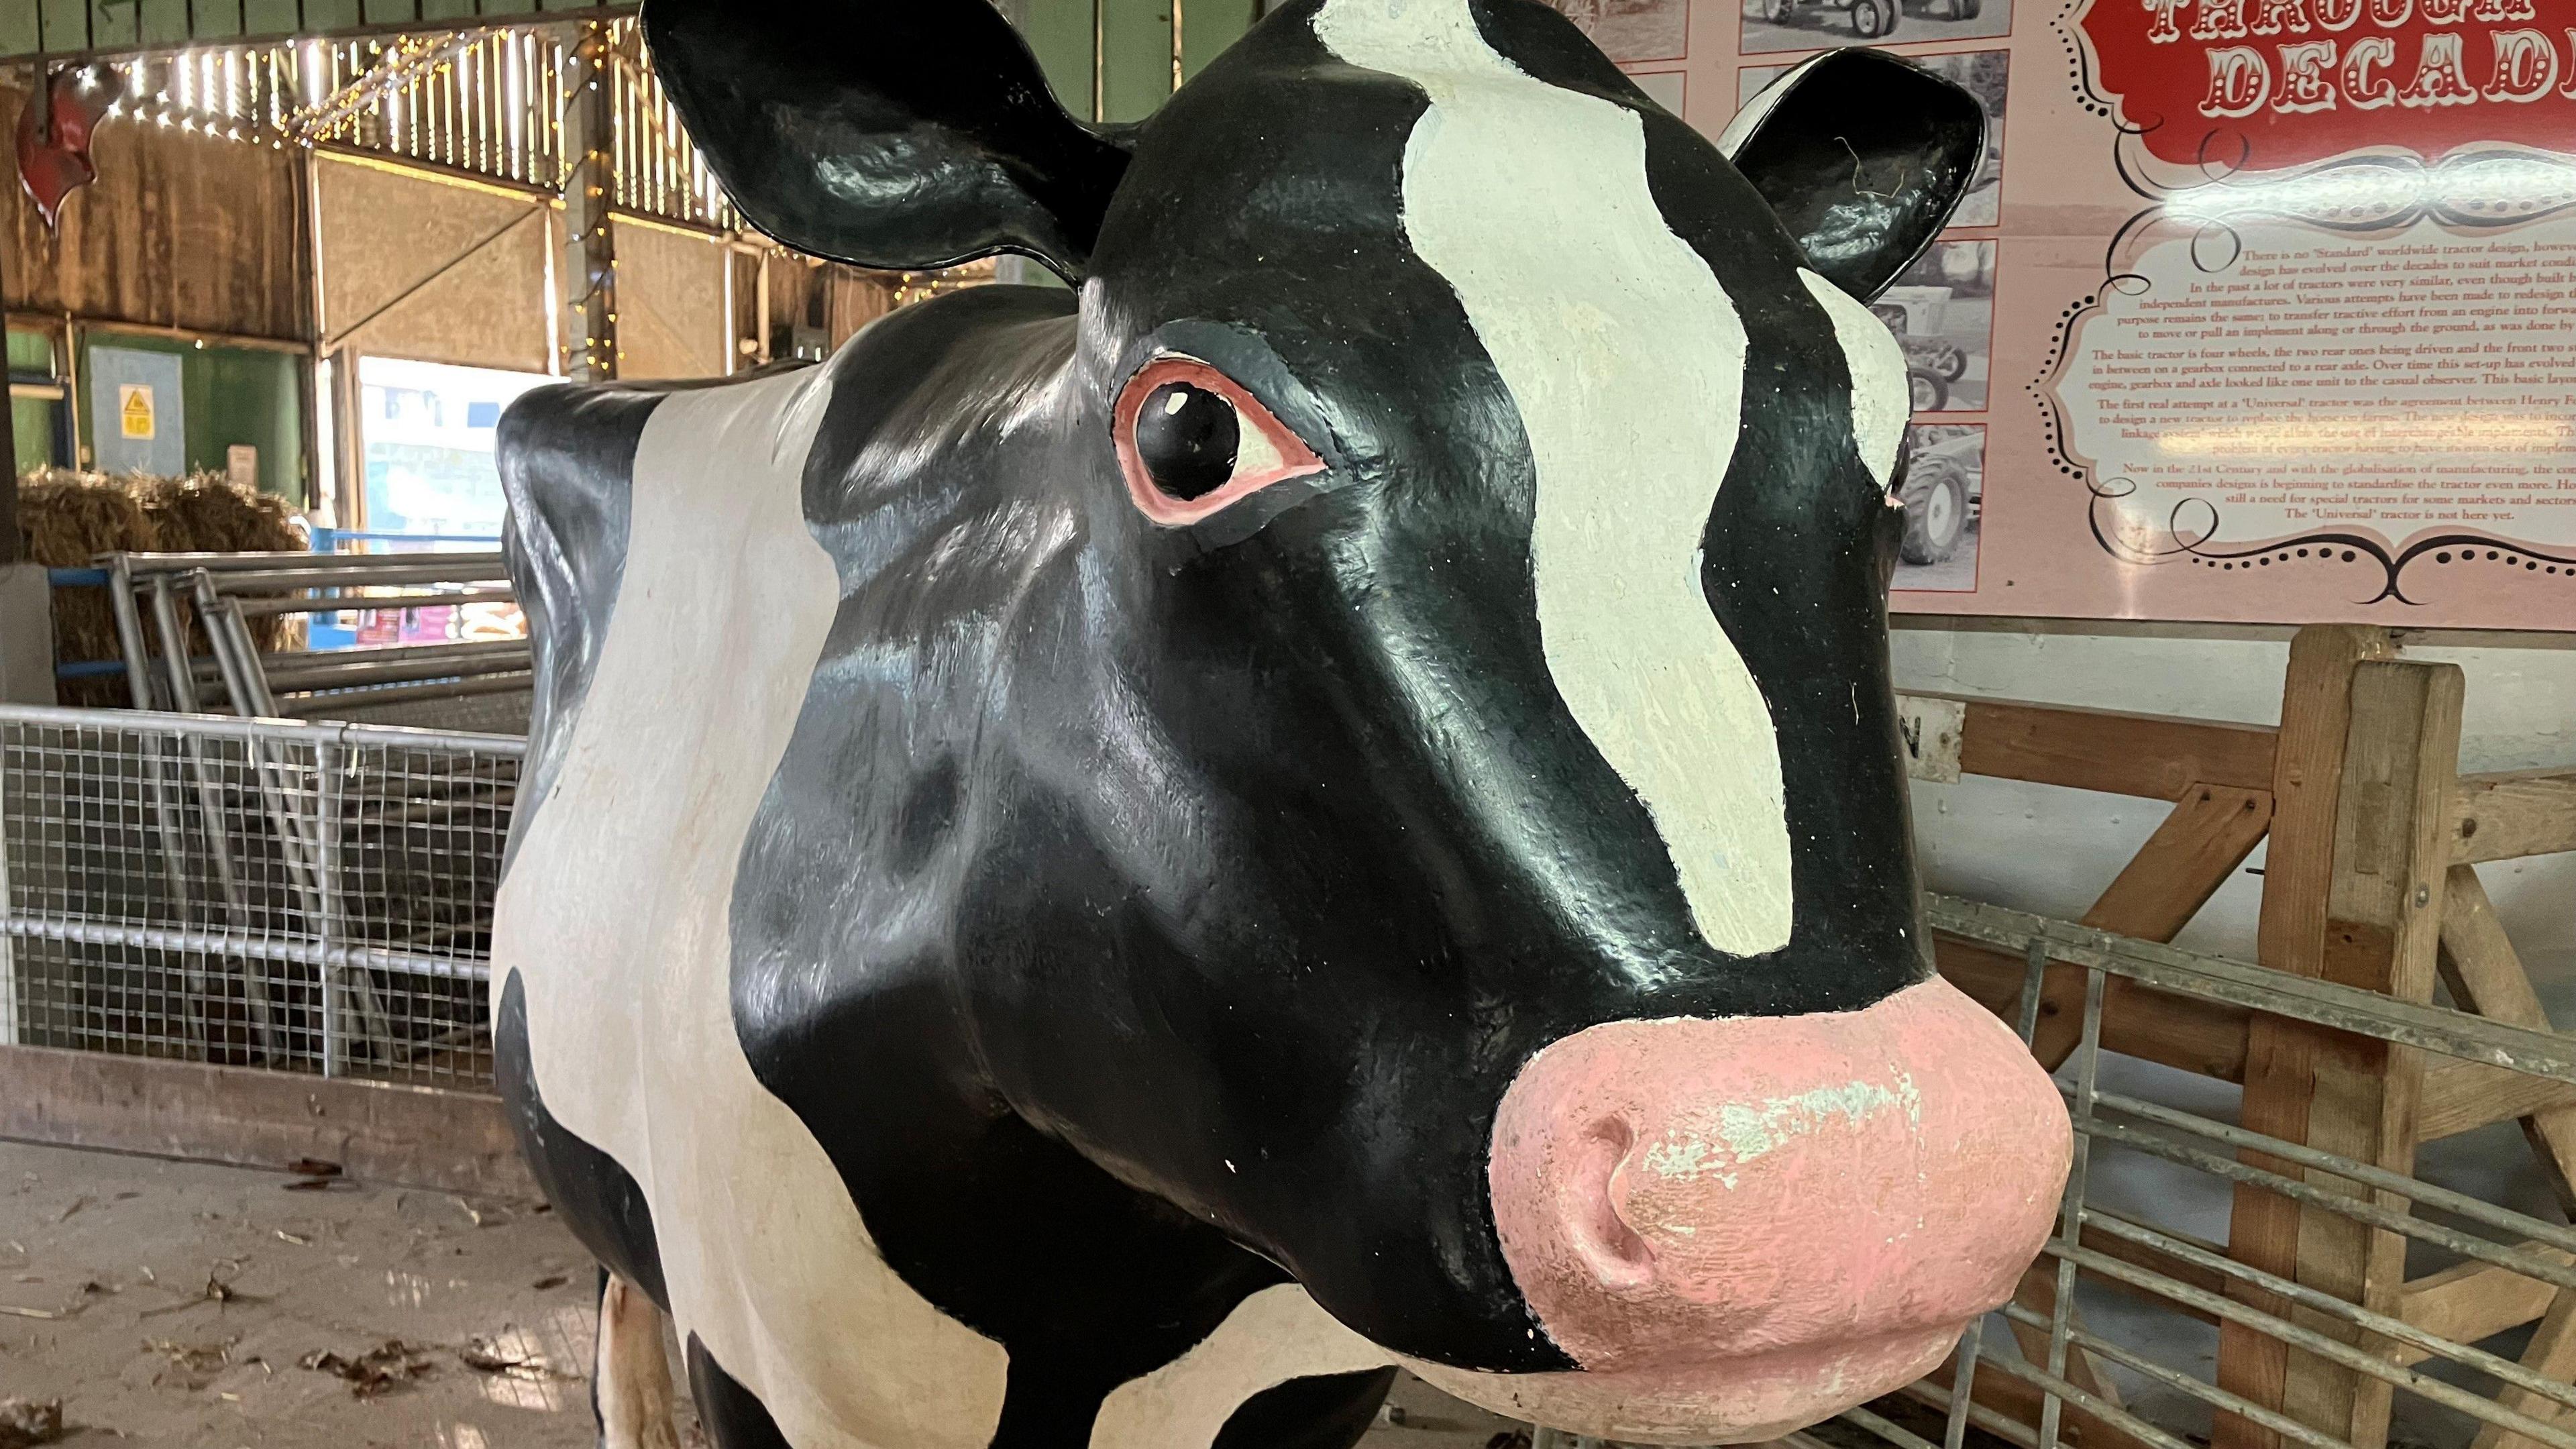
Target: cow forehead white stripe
617, 915
1881, 400
1626, 360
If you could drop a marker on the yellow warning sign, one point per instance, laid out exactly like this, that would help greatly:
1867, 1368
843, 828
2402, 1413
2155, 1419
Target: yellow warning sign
134, 410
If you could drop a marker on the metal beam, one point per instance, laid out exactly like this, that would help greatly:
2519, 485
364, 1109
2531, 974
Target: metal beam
115, 29
588, 265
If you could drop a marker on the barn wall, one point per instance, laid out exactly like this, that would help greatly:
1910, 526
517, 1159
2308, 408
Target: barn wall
670, 303
821, 297
180, 230
421, 268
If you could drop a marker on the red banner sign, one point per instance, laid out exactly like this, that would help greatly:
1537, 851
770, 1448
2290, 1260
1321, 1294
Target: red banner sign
2264, 84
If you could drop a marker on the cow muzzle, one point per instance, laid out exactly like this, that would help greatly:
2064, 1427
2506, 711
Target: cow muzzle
1738, 1227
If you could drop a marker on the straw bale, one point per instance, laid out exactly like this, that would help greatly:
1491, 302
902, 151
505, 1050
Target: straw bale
70, 517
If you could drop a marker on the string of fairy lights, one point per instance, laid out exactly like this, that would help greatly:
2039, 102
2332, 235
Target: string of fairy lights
488, 102
593, 299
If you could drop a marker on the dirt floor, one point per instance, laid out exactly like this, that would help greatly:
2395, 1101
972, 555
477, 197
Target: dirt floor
182, 1306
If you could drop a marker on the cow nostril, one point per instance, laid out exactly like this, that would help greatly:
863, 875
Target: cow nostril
1598, 1229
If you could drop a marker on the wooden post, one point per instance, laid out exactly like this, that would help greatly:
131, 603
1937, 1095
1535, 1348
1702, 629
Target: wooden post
588, 264
2552, 1353
2307, 776
2486, 976
2375, 924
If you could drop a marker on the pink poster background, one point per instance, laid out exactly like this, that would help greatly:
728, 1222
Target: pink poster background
2267, 319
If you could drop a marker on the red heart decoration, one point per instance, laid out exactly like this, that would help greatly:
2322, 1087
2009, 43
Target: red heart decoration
54, 130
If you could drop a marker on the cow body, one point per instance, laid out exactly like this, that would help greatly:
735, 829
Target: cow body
1106, 865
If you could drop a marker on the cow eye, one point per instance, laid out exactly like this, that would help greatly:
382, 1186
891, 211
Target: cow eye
1187, 438
1191, 441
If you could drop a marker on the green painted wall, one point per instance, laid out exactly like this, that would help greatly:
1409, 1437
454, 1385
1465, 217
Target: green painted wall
31, 419
231, 395
1209, 26
1137, 37
31, 427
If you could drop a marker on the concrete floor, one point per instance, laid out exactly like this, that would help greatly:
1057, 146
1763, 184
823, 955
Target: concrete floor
178, 1306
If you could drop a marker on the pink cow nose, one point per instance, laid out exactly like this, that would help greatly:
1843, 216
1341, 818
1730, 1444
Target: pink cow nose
1800, 1211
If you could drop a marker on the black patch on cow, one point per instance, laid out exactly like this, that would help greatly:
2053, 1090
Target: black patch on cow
858, 859
1796, 558
596, 1198
731, 1415
1328, 1411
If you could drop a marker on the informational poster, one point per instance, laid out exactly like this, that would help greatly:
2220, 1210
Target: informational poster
2260, 310
137, 418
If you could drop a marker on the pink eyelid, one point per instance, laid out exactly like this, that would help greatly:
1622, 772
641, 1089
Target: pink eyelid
1296, 459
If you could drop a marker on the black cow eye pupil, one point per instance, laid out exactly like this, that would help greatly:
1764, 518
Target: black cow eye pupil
1186, 437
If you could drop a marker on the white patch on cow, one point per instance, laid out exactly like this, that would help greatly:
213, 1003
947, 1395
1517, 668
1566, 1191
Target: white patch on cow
1881, 399
616, 915
1626, 360
1749, 120
1273, 1336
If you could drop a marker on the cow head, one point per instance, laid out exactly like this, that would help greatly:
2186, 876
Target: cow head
1441, 809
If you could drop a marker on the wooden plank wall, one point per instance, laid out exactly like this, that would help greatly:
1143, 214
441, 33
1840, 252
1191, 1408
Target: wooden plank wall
178, 231
670, 303
416, 267
412, 1136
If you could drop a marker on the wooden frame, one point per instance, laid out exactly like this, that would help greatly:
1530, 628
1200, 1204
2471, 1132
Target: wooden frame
376, 1131
2369, 882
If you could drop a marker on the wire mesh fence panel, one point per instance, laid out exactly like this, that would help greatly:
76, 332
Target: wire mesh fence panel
2113, 1341
303, 897
501, 713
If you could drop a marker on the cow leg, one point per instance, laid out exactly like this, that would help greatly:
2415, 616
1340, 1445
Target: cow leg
631, 1390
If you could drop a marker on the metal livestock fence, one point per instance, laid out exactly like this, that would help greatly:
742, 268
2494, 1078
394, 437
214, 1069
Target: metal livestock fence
306, 897
2448, 1363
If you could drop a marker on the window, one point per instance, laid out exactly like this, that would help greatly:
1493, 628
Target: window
427, 439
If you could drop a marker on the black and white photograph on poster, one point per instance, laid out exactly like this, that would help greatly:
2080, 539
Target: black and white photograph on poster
1810, 24
1944, 494
1942, 310
1982, 73
1669, 89
1632, 30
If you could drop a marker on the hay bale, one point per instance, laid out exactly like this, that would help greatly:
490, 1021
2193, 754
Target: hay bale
204, 513
70, 517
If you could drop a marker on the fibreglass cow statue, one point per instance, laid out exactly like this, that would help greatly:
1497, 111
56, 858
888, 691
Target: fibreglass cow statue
1112, 864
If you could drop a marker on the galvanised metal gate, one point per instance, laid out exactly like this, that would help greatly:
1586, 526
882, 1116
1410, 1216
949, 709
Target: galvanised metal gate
2436, 1350
305, 897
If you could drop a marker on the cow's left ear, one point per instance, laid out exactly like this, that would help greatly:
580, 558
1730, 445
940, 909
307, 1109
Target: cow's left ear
909, 135
1863, 157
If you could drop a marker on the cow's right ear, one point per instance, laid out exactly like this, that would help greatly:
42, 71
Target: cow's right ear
1863, 157
901, 135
